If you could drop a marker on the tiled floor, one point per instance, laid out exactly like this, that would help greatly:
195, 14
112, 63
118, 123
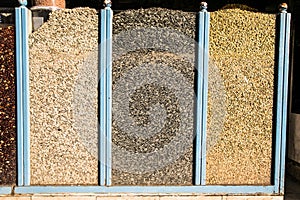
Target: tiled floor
292, 190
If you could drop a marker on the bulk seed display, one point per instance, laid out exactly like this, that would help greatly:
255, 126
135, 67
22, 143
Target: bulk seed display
55, 3
153, 97
242, 46
58, 52
7, 107
164, 156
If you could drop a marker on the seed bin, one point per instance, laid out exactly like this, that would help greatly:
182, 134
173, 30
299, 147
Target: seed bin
7, 101
152, 101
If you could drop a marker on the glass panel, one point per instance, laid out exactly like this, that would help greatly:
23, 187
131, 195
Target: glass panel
7, 100
241, 93
153, 97
64, 99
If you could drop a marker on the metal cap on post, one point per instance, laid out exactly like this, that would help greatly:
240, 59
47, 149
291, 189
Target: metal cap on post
283, 8
107, 3
23, 2
203, 7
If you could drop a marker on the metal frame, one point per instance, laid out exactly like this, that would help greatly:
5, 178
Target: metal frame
23, 109
5, 190
102, 107
285, 101
284, 19
19, 81
202, 57
211, 190
105, 110
105, 117
109, 15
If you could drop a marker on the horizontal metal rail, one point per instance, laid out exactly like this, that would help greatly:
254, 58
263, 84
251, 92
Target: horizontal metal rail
215, 190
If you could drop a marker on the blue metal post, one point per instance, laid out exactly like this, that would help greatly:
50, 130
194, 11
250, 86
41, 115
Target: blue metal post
282, 94
26, 95
279, 101
205, 94
102, 107
109, 15
285, 98
22, 75
198, 117
202, 58
19, 97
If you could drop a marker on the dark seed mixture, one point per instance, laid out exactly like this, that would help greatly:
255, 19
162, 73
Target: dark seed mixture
7, 107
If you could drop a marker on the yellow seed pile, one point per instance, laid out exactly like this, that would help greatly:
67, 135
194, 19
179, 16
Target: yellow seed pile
242, 47
239, 6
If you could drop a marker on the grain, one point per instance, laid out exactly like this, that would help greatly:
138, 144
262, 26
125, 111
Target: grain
240, 113
242, 49
153, 157
55, 3
242, 46
7, 107
239, 6
149, 154
58, 54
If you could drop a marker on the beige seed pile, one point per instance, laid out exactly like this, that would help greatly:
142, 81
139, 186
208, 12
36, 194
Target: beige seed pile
58, 55
242, 48
55, 3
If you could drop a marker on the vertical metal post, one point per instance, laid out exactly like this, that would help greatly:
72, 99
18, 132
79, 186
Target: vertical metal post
102, 107
105, 94
109, 15
282, 94
285, 97
26, 97
19, 81
202, 67
22, 73
280, 58
205, 93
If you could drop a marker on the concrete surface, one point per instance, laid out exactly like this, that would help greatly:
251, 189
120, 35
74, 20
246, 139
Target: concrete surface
131, 197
